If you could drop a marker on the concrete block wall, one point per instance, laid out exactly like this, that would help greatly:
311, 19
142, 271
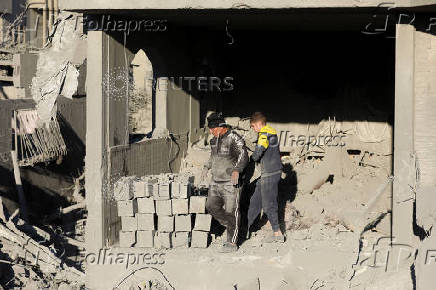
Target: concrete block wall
160, 211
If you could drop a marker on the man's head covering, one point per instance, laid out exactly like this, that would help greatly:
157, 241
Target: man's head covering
216, 120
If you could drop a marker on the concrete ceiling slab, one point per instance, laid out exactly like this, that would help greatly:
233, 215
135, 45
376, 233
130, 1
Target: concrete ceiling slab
80, 5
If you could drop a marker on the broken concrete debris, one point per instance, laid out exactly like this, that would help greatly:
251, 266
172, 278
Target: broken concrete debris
30, 253
57, 72
160, 211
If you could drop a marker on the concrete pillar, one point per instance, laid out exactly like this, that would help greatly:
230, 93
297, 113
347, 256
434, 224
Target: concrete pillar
194, 127
107, 126
425, 147
50, 8
96, 145
56, 8
44, 24
1, 29
403, 197
161, 106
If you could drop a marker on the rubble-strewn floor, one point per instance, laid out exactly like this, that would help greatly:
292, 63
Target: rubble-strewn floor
331, 236
324, 232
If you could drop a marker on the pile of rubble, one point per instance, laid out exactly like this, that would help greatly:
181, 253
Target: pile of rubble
161, 211
31, 257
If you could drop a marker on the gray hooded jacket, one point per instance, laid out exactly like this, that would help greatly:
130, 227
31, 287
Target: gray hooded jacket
228, 154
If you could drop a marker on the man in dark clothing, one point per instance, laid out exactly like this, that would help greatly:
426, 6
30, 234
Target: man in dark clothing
267, 152
227, 160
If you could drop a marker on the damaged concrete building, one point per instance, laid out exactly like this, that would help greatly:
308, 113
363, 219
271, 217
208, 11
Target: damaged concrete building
362, 71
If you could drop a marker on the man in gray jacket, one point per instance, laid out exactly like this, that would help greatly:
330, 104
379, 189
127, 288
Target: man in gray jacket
227, 160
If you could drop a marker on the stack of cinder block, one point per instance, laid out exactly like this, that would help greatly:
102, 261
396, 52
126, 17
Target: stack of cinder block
159, 211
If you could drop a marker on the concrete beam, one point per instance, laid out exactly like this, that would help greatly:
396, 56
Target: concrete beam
403, 197
230, 4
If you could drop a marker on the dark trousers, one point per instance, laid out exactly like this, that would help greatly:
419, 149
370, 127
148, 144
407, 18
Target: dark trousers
265, 197
223, 204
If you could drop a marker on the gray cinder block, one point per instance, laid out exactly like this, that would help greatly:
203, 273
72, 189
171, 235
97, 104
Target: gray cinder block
127, 239
180, 190
164, 191
183, 223
146, 221
164, 207
185, 190
163, 240
129, 223
127, 207
165, 223
152, 187
146, 205
180, 239
139, 186
122, 189
145, 239
197, 204
202, 222
199, 239
180, 206
175, 189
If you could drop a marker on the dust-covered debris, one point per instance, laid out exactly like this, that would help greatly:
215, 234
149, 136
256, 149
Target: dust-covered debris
331, 202
57, 72
32, 257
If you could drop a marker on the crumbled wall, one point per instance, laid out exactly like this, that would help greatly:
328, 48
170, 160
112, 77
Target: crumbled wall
57, 72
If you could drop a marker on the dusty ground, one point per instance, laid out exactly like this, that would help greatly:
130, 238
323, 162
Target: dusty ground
327, 245
324, 231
